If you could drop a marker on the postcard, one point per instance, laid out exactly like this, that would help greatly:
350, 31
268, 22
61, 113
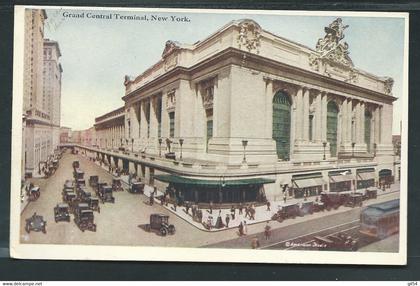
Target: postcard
209, 135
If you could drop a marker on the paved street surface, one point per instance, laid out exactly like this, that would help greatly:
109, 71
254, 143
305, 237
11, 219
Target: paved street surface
118, 224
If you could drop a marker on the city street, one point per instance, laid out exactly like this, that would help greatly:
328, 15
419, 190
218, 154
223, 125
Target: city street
118, 224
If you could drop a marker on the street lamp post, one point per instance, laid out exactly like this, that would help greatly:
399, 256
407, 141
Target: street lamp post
181, 141
352, 149
160, 146
324, 144
132, 143
244, 144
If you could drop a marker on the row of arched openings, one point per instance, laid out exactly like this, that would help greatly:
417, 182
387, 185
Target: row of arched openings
282, 105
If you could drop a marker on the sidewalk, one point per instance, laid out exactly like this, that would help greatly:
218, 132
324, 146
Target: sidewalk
261, 212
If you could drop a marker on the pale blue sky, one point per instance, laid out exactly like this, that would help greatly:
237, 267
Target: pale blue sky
97, 53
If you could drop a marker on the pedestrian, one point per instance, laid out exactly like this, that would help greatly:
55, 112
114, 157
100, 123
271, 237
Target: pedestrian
162, 200
246, 211
151, 198
255, 243
187, 207
241, 229
267, 231
240, 208
211, 207
284, 197
232, 212
245, 228
227, 220
175, 205
193, 210
268, 206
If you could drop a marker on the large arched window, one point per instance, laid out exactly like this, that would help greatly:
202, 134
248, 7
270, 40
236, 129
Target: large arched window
281, 124
332, 122
368, 127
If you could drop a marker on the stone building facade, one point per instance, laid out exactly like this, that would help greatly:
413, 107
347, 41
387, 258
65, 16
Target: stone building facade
109, 130
42, 94
249, 115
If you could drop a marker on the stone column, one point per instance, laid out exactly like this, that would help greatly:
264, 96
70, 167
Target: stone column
324, 116
377, 138
349, 120
344, 121
269, 108
299, 115
305, 113
318, 118
362, 123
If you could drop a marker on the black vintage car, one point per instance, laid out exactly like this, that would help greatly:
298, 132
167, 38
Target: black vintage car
136, 187
333, 200
78, 174
160, 222
354, 200
94, 204
75, 164
81, 183
287, 211
62, 212
105, 194
99, 186
93, 181
371, 193
84, 219
69, 196
36, 223
83, 194
69, 184
117, 185
33, 193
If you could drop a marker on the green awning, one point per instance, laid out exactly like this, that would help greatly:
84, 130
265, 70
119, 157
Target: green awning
174, 179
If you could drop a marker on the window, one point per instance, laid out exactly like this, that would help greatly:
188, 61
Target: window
148, 118
209, 127
159, 116
171, 124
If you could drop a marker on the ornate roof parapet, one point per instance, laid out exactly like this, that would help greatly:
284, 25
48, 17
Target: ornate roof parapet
249, 36
388, 84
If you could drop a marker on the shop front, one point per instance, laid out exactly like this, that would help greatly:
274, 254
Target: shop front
219, 192
365, 178
308, 185
341, 180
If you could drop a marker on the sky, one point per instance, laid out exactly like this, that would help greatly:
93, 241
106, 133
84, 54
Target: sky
98, 53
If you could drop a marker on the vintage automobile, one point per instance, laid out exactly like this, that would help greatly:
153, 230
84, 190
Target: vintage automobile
84, 219
81, 183
99, 186
354, 200
334, 200
69, 196
76, 164
371, 193
36, 223
94, 204
62, 212
160, 222
105, 194
136, 187
339, 242
78, 174
287, 211
33, 193
55, 164
306, 208
93, 181
117, 185
69, 184
170, 155
83, 194
319, 206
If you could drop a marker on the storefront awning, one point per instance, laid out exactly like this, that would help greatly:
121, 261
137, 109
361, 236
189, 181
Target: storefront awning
307, 183
366, 176
341, 178
174, 179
